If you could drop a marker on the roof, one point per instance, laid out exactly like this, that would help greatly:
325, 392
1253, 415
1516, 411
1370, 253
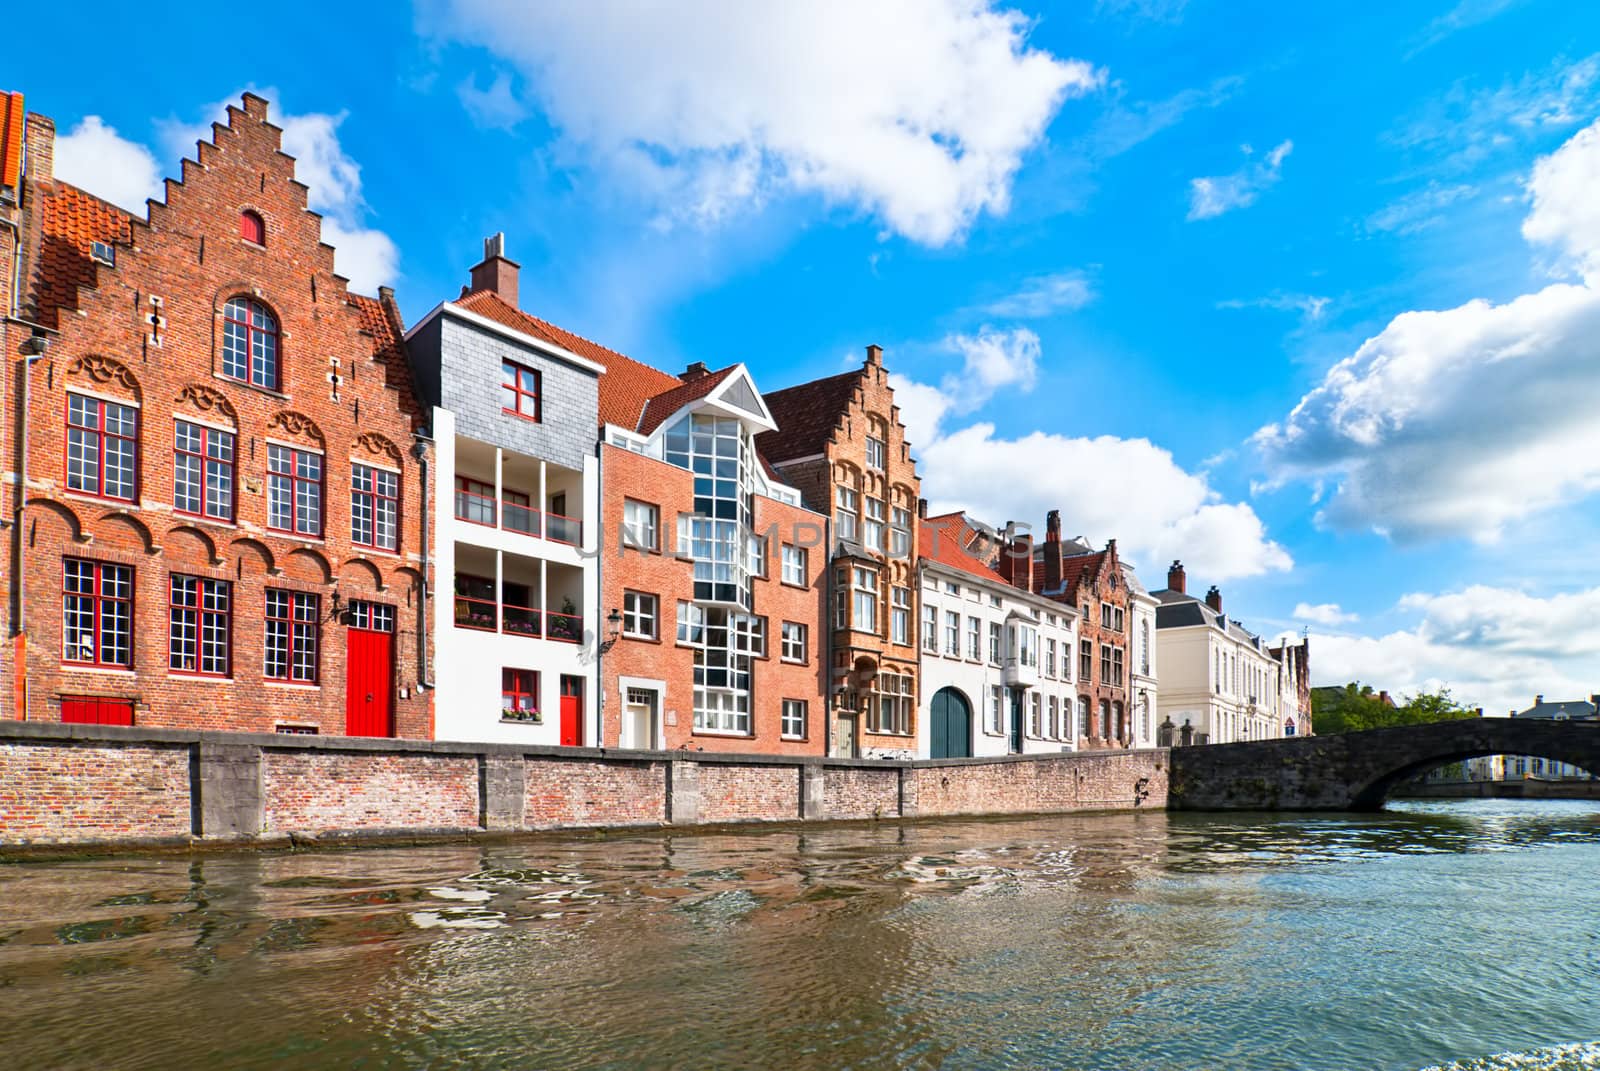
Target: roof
944, 540
1568, 708
806, 415
626, 386
12, 118
70, 222
662, 406
381, 320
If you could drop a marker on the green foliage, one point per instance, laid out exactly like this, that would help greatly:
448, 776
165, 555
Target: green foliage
1356, 707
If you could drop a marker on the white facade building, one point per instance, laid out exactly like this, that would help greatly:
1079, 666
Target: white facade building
997, 662
1217, 678
1144, 654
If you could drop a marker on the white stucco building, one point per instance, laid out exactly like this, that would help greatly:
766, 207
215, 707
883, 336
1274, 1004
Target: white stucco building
1144, 660
1217, 677
997, 661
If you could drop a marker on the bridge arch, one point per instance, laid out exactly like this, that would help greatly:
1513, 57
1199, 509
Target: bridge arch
1357, 771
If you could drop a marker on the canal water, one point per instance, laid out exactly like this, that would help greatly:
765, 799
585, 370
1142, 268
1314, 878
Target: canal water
1462, 935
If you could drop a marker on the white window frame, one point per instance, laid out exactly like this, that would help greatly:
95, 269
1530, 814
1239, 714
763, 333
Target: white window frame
792, 641
794, 564
792, 719
641, 525
641, 615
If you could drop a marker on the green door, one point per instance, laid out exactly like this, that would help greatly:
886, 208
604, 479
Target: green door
950, 726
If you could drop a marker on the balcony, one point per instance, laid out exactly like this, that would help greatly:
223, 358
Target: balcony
513, 606
515, 506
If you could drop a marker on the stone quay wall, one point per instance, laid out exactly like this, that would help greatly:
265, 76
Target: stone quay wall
109, 786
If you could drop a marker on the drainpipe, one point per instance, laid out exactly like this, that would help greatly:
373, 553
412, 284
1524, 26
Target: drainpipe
34, 349
424, 627
599, 606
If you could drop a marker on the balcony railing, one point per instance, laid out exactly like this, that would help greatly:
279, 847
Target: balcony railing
485, 615
519, 620
480, 614
475, 508
567, 628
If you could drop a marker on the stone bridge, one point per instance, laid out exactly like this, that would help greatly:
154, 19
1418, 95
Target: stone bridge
1356, 771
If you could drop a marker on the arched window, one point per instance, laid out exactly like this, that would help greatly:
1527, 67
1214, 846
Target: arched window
250, 343
252, 228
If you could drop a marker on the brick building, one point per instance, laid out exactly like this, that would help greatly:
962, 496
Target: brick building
1093, 582
840, 441
220, 521
514, 414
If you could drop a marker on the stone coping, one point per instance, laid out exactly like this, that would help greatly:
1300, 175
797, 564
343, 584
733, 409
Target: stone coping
60, 732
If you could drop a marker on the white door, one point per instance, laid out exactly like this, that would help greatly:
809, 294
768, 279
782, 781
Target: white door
639, 720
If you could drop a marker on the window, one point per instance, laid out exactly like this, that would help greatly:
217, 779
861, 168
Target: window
294, 490
200, 616
1049, 658
475, 501
293, 622
974, 639
372, 616
758, 556
97, 613
691, 623
519, 695
374, 507
873, 532
994, 600
1144, 647
930, 629
899, 533
1025, 645
519, 390
900, 615
1035, 729
1083, 717
1117, 619
892, 700
202, 475
750, 635
640, 615
794, 565
952, 588
102, 447
793, 641
1116, 666
952, 633
996, 707
877, 452
1053, 721
1085, 660
1105, 664
1105, 719
864, 602
848, 508
250, 343
641, 524
994, 642
793, 723
252, 228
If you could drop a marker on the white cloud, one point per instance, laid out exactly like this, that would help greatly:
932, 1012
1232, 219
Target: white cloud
496, 107
1210, 197
1419, 210
1043, 295
917, 111
1459, 422
366, 256
1465, 14
1309, 306
1494, 647
1106, 487
94, 157
1323, 613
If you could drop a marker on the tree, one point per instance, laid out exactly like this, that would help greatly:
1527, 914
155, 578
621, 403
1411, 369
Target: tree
1356, 707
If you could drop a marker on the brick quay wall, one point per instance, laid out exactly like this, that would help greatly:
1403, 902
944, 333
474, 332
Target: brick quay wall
106, 786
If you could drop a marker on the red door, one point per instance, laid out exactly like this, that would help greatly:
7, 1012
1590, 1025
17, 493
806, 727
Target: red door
571, 711
92, 710
369, 671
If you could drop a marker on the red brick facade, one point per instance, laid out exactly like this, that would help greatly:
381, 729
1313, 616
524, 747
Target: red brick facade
144, 334
625, 476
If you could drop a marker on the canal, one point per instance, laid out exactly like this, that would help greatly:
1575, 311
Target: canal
1442, 934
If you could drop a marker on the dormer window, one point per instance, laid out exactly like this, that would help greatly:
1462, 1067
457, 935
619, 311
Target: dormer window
252, 228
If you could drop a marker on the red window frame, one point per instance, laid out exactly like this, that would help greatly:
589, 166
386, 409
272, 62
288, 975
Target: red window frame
516, 685
521, 398
293, 645
100, 436
295, 480
252, 228
207, 436
194, 614
377, 498
230, 315
483, 492
98, 601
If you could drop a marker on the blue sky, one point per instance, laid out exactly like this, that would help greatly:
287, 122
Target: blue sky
1109, 247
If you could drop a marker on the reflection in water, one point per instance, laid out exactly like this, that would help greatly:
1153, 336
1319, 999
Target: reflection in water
1431, 933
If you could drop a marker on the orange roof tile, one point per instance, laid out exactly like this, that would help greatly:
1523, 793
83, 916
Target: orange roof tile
806, 416
12, 118
627, 385
664, 405
70, 221
388, 349
944, 540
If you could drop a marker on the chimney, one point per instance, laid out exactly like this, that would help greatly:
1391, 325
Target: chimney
875, 355
1052, 526
1214, 598
39, 133
1052, 551
1538, 699
1016, 562
922, 508
496, 273
1383, 697
693, 372
1175, 577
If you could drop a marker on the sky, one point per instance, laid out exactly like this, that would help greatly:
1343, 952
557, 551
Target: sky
1307, 296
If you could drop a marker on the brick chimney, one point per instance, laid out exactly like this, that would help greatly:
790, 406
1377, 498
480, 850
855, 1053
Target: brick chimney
875, 355
1175, 577
1052, 550
693, 372
496, 272
39, 134
1214, 598
1052, 526
1016, 562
